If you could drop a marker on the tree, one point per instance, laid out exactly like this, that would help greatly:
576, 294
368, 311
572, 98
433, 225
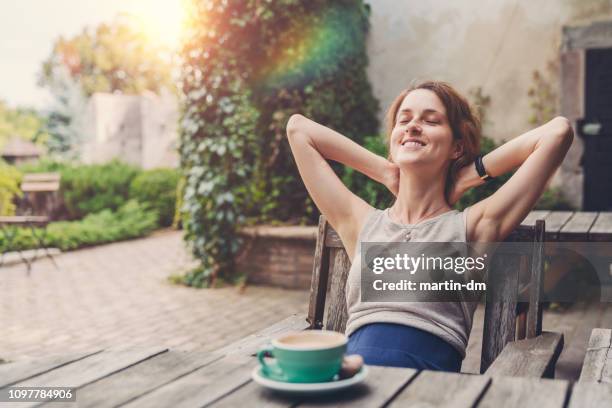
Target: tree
21, 122
247, 66
111, 57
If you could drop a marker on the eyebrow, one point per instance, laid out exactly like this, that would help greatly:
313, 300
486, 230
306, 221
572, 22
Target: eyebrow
425, 111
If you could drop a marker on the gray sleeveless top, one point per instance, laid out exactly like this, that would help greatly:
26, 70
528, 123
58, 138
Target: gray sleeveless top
452, 321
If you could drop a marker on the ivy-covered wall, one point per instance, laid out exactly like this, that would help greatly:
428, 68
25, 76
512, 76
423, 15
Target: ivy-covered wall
247, 66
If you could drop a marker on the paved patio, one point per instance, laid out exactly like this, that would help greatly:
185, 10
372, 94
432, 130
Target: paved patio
118, 295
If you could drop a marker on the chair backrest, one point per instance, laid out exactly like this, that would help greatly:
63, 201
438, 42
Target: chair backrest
327, 307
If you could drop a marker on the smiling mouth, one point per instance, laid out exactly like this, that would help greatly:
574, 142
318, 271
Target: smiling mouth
413, 143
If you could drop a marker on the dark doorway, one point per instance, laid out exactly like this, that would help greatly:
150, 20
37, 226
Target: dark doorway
596, 131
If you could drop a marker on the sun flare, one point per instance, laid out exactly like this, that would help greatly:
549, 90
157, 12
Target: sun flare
162, 21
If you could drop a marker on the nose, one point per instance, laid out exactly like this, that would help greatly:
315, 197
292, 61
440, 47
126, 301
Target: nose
413, 128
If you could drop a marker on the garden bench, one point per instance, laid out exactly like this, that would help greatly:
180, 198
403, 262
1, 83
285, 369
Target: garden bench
527, 352
36, 223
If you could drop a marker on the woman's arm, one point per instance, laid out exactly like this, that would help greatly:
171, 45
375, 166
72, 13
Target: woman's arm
539, 153
312, 144
503, 159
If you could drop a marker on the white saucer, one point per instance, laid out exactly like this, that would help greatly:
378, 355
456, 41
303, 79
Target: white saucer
308, 388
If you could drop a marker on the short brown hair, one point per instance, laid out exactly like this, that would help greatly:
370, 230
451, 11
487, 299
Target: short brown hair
464, 123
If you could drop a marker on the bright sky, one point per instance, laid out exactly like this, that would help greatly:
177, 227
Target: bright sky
28, 29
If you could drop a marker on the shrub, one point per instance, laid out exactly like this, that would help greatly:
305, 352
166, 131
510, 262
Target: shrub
247, 66
156, 189
376, 194
88, 189
131, 220
10, 178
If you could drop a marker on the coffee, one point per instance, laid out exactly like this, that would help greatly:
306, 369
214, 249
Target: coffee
312, 340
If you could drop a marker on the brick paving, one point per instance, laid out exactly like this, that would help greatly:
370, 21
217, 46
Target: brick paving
118, 295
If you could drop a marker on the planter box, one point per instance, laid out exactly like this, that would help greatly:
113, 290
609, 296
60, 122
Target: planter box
279, 256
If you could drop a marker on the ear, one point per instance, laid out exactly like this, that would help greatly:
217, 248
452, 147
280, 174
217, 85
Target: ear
457, 149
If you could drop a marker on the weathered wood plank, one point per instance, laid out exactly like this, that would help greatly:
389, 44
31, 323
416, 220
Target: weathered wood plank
89, 369
12, 373
525, 392
92, 368
201, 387
332, 239
591, 395
138, 379
436, 388
535, 357
534, 215
601, 230
555, 222
336, 313
381, 384
598, 356
249, 345
536, 283
577, 228
320, 276
500, 307
254, 395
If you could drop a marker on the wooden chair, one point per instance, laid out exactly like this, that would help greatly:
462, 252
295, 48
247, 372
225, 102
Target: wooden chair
39, 201
534, 354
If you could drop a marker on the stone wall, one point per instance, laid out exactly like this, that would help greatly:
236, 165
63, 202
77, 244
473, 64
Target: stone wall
137, 129
279, 256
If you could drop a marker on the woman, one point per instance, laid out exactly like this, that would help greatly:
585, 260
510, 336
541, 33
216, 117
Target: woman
433, 141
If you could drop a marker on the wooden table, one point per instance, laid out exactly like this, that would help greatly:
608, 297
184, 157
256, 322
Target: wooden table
574, 225
162, 378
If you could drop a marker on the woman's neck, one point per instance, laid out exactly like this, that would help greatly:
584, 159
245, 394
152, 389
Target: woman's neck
421, 196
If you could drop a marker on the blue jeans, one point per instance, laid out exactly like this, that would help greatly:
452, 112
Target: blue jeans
397, 345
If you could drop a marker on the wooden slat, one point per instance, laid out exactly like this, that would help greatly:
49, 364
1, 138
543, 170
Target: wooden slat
249, 345
531, 218
36, 177
24, 219
500, 307
598, 357
591, 395
381, 384
320, 271
336, 313
138, 379
332, 239
40, 186
525, 392
555, 222
201, 387
12, 373
436, 388
601, 230
88, 370
534, 314
577, 228
535, 357
254, 395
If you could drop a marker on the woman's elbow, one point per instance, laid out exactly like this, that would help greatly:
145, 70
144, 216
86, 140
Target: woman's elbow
293, 125
564, 131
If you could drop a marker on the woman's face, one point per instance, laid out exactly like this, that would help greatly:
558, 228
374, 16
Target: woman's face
422, 133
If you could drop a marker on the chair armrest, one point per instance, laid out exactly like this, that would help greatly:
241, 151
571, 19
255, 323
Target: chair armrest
249, 345
535, 357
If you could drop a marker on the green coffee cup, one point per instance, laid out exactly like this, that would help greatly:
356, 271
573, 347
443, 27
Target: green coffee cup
307, 357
